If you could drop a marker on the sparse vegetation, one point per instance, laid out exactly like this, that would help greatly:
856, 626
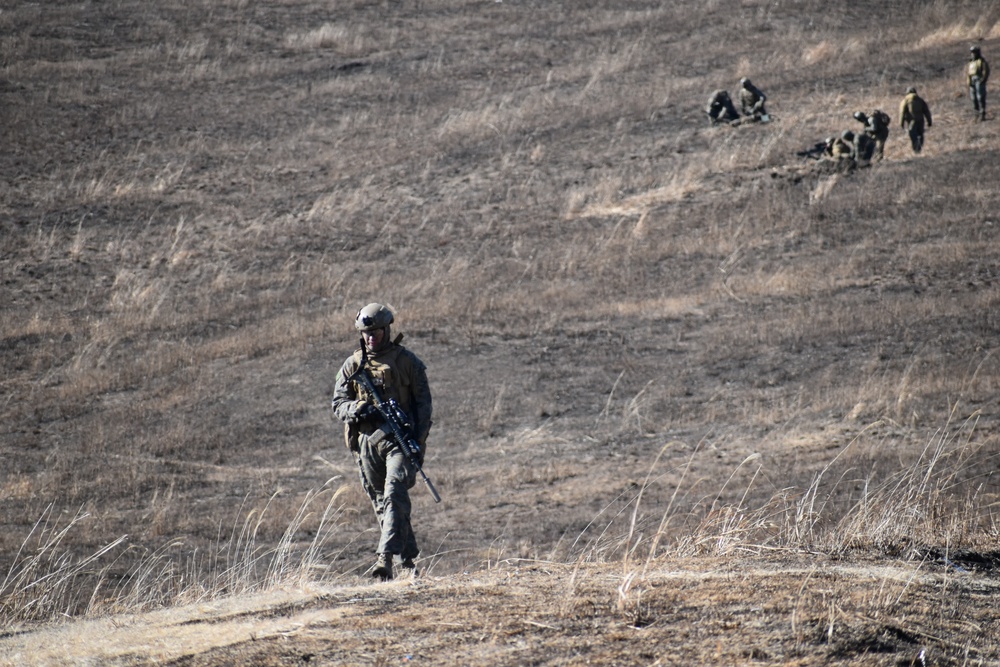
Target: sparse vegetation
696, 399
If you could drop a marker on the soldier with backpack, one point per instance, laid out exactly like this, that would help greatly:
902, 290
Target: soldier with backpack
877, 127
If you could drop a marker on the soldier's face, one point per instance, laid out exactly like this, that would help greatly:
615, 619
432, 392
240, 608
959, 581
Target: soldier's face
374, 339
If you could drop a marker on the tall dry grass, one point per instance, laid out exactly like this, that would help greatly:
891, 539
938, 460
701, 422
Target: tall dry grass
47, 580
862, 502
205, 194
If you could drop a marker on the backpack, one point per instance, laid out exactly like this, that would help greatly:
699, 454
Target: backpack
880, 119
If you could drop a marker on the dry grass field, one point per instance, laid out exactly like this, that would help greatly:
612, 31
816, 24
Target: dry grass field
698, 400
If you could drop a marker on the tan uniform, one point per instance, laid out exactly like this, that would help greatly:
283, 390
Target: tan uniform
840, 149
977, 74
913, 113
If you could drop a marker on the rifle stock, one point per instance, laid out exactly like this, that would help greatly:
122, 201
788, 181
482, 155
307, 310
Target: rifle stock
395, 418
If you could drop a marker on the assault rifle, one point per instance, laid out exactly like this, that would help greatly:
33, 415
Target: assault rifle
816, 152
395, 418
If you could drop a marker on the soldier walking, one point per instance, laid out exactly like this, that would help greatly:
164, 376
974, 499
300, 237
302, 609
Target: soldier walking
913, 112
387, 474
976, 74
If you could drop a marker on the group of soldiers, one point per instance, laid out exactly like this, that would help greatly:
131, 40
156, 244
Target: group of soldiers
859, 147
722, 110
382, 366
867, 144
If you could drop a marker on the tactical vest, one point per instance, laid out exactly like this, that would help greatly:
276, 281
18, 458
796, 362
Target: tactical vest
975, 69
388, 381
385, 376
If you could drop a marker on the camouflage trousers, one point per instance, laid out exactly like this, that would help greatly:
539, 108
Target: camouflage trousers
879, 139
977, 92
387, 477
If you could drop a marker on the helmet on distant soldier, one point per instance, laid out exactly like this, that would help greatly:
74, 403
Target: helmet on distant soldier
911, 91
860, 115
373, 316
745, 82
847, 135
974, 50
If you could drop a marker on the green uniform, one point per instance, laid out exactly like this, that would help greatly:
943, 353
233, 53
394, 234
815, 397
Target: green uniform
386, 473
877, 127
752, 100
720, 108
862, 148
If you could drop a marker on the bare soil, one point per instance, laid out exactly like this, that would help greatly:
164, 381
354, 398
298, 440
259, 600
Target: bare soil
642, 331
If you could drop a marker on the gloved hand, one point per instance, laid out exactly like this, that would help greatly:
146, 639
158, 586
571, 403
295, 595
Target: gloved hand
365, 412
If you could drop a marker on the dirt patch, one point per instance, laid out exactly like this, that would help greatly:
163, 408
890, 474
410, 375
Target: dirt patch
798, 608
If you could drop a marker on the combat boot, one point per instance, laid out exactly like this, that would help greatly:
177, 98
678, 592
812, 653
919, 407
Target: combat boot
383, 567
409, 567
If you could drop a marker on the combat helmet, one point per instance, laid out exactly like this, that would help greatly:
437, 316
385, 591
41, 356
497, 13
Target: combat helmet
373, 316
911, 90
974, 50
860, 115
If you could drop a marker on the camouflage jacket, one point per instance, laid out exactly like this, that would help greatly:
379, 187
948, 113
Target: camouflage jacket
839, 149
399, 374
978, 71
751, 99
718, 101
878, 124
914, 111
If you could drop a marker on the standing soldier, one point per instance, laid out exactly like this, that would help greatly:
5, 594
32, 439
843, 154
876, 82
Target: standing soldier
752, 100
913, 111
387, 474
977, 73
877, 127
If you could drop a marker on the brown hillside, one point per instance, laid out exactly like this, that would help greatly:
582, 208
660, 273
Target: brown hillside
653, 343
